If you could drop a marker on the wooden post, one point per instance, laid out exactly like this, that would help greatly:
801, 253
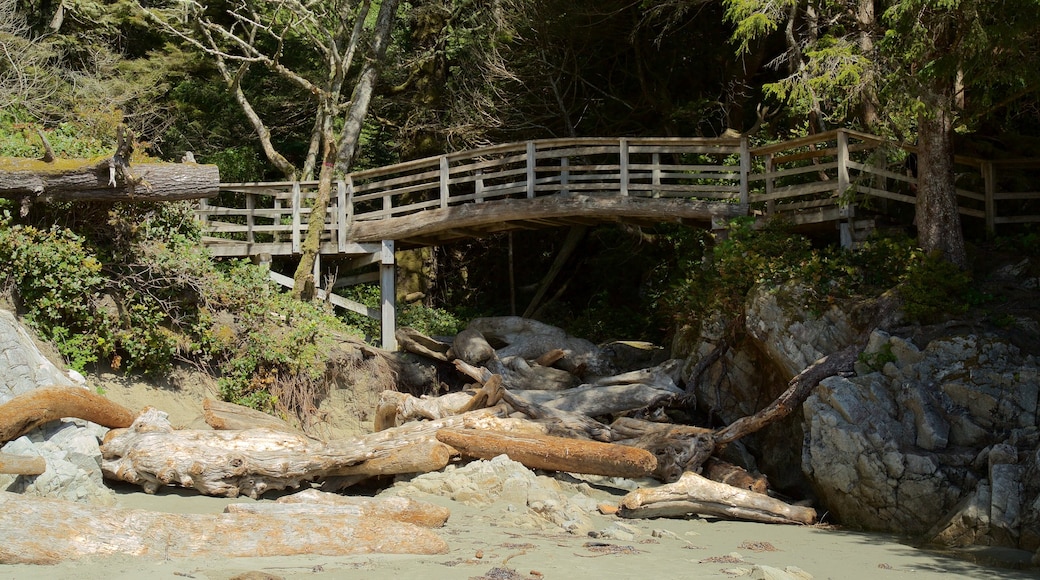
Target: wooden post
277, 219
341, 215
201, 216
478, 187
296, 202
387, 291
745, 171
843, 174
250, 221
531, 175
316, 271
512, 278
350, 201
656, 179
770, 204
623, 163
565, 174
444, 181
989, 180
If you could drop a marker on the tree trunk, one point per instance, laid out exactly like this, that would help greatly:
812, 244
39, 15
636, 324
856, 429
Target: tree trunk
304, 284
95, 180
938, 221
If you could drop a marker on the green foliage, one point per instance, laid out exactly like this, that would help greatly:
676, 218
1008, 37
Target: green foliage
929, 286
877, 360
933, 287
425, 319
58, 280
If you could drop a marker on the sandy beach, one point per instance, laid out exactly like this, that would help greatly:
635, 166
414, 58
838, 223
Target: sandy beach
498, 540
482, 540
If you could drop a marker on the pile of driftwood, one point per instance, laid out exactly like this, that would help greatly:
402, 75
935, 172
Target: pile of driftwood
537, 396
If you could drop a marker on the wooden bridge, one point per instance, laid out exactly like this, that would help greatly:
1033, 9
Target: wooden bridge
839, 178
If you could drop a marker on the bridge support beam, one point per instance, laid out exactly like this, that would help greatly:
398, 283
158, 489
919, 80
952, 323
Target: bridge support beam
388, 295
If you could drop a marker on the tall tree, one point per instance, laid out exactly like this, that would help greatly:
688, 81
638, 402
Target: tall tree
936, 64
312, 45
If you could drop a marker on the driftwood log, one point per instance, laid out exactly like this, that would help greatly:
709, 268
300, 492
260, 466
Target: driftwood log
695, 494
225, 416
553, 453
105, 179
312, 501
48, 531
31, 409
22, 464
230, 463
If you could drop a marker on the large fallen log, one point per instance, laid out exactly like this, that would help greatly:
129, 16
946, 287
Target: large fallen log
418, 457
102, 179
29, 410
695, 494
229, 463
553, 453
312, 501
48, 531
530, 339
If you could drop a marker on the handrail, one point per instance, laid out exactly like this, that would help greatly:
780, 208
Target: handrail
833, 169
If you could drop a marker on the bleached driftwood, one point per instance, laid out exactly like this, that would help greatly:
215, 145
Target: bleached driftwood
632, 428
229, 417
597, 401
230, 463
29, 410
565, 422
520, 374
47, 531
530, 339
552, 453
695, 494
413, 341
22, 464
312, 501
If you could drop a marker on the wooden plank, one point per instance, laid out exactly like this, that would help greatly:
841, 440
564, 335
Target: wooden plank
623, 166
345, 303
1018, 219
886, 194
801, 170
1016, 195
797, 190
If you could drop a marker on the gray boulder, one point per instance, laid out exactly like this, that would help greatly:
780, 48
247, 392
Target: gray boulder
940, 443
71, 448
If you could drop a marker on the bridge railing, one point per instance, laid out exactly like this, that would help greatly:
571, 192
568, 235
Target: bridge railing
827, 175
692, 168
816, 178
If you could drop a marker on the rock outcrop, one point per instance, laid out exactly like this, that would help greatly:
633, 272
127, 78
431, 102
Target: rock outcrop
940, 443
70, 447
